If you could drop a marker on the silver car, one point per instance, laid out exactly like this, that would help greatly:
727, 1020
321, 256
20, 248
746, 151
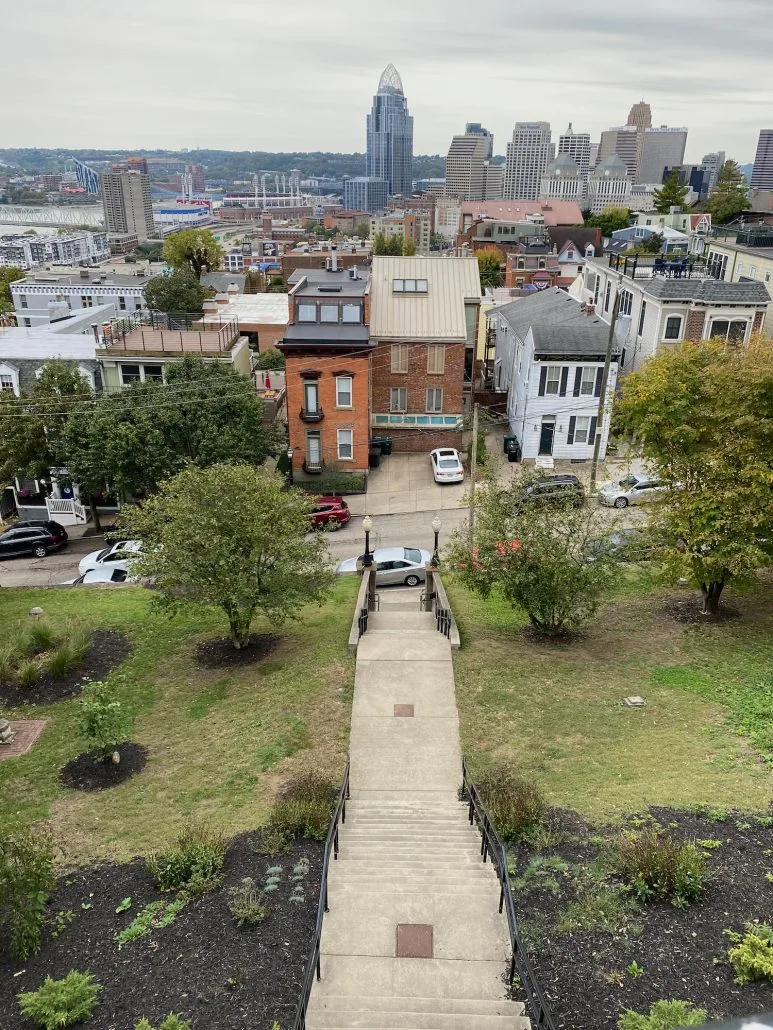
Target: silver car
394, 565
633, 489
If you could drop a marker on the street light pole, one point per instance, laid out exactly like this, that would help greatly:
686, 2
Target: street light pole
367, 525
290, 472
436, 524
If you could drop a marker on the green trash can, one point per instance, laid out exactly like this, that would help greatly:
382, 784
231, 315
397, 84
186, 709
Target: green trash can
384, 443
507, 441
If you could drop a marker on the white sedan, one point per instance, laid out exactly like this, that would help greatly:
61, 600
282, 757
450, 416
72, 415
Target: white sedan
446, 465
632, 490
115, 556
101, 576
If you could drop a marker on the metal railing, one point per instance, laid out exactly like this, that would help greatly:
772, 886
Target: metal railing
443, 621
362, 621
313, 969
491, 846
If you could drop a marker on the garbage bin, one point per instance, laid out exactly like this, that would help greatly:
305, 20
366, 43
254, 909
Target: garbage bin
374, 457
384, 443
513, 450
506, 441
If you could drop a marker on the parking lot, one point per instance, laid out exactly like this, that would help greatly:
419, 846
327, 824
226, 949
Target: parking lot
403, 483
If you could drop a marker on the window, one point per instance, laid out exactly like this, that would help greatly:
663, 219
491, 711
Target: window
398, 399
733, 331
27, 323
130, 374
22, 300
581, 427
154, 372
313, 450
398, 285
434, 399
328, 312
87, 301
399, 357
673, 327
436, 359
141, 373
607, 292
311, 397
6, 383
521, 263
570, 255
596, 290
542, 263
351, 313
343, 391
307, 312
587, 382
752, 271
122, 303
642, 313
626, 302
552, 379
409, 285
345, 445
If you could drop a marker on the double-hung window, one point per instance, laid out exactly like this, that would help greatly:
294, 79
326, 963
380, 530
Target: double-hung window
607, 292
552, 379
434, 399
328, 313
436, 359
343, 391
345, 444
7, 384
587, 382
311, 397
581, 427
398, 398
673, 327
307, 312
626, 302
399, 355
351, 313
642, 314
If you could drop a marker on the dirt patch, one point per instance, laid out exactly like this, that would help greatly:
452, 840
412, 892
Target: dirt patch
564, 638
107, 649
202, 965
88, 772
682, 952
689, 611
220, 652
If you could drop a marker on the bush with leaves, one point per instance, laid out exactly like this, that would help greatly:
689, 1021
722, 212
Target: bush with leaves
664, 1015
657, 867
104, 723
752, 954
515, 803
193, 862
271, 359
173, 1021
303, 807
59, 1003
26, 878
245, 903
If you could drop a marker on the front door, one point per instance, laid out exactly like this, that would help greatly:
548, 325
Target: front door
546, 436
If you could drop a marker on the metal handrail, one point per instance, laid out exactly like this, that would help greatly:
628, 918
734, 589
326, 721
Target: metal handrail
491, 845
362, 621
443, 621
313, 966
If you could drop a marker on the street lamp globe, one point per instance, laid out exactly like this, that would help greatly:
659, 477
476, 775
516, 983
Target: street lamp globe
367, 523
436, 524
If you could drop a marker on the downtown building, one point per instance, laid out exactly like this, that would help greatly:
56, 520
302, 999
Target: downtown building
563, 180
127, 203
762, 173
661, 148
363, 193
389, 144
466, 164
528, 155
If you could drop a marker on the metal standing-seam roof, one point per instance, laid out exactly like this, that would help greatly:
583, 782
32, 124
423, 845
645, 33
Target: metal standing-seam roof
437, 314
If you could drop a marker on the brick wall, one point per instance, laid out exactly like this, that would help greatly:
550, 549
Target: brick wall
420, 440
759, 320
417, 380
695, 325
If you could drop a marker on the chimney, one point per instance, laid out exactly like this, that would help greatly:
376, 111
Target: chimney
590, 309
334, 258
233, 289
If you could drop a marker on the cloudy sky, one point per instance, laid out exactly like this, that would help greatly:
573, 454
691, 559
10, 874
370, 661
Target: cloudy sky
299, 74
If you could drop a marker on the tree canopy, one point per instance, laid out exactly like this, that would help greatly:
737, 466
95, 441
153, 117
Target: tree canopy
230, 536
490, 266
393, 246
610, 220
671, 194
176, 292
8, 275
703, 416
194, 249
728, 198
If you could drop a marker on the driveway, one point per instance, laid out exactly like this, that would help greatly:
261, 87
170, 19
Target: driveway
403, 483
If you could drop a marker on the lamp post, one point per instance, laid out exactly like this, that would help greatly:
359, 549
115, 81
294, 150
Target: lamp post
436, 530
290, 459
367, 525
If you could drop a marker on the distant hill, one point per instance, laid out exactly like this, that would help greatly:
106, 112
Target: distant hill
747, 170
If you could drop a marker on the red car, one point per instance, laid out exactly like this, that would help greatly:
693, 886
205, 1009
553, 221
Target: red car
330, 512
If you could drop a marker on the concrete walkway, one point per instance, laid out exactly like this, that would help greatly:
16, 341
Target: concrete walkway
413, 938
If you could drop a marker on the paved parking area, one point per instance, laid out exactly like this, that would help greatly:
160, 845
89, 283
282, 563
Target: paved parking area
52, 570
403, 483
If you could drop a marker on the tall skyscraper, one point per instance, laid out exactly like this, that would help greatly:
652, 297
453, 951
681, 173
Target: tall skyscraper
662, 147
624, 142
389, 149
712, 165
476, 129
577, 146
126, 200
465, 165
528, 155
762, 174
640, 115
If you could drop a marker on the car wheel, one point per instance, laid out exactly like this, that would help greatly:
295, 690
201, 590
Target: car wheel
412, 581
621, 502
40, 550
333, 524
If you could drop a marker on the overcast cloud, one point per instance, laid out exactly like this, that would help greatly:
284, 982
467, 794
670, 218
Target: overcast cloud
300, 74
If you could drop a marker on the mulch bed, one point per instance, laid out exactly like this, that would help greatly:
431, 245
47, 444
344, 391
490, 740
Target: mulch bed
88, 772
202, 965
683, 951
220, 652
689, 611
107, 649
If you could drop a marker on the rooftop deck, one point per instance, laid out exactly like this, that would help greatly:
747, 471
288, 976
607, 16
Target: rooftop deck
638, 267
169, 334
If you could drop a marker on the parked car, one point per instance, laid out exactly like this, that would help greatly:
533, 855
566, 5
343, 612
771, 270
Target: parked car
114, 556
624, 544
632, 489
403, 565
330, 512
32, 537
552, 490
104, 575
446, 465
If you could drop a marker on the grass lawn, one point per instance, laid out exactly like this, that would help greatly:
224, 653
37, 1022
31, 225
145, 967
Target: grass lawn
219, 739
556, 708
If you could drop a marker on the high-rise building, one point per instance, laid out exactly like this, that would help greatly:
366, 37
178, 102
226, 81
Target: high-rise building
365, 194
196, 173
389, 148
493, 181
528, 155
563, 180
640, 115
138, 164
476, 129
465, 166
622, 141
577, 146
609, 185
762, 174
662, 147
712, 166
126, 200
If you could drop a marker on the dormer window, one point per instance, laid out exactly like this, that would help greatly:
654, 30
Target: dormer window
307, 312
409, 286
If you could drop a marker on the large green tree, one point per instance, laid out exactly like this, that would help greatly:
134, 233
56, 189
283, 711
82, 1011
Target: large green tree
702, 414
176, 292
232, 537
490, 266
671, 194
8, 275
194, 249
387, 245
729, 197
205, 413
610, 220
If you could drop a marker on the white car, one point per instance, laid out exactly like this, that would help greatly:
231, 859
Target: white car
446, 465
634, 489
394, 565
115, 556
104, 575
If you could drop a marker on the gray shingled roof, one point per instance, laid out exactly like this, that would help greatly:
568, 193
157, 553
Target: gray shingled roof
558, 323
708, 291
571, 339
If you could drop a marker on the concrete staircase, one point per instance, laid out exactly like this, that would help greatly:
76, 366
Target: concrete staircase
409, 860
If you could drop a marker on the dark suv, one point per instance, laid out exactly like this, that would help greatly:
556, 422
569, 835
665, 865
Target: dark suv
36, 538
552, 490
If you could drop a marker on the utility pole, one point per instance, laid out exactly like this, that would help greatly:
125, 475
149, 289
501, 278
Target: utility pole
473, 470
603, 395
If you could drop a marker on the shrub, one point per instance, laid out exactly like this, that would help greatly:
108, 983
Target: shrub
104, 723
26, 877
657, 866
664, 1015
271, 359
40, 637
752, 956
61, 1002
61, 661
303, 807
516, 804
28, 672
192, 863
9, 658
245, 903
79, 640
173, 1021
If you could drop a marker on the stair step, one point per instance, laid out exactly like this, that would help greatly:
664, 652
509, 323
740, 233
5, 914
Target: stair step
388, 1003
395, 1020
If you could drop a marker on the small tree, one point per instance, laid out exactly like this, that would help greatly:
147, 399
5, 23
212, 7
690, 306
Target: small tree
534, 554
610, 220
176, 292
729, 197
671, 194
362, 229
490, 267
409, 248
26, 877
7, 276
271, 359
194, 249
104, 723
387, 245
231, 537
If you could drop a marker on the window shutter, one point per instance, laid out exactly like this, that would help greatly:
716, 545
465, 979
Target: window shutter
570, 435
577, 381
543, 375
564, 379
599, 377
592, 430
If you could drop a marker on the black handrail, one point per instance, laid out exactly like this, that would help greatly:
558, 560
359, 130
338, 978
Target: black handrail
443, 621
362, 621
313, 966
492, 846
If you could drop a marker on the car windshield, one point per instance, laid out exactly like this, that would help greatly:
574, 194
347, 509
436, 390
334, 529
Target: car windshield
413, 554
103, 554
629, 481
448, 463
